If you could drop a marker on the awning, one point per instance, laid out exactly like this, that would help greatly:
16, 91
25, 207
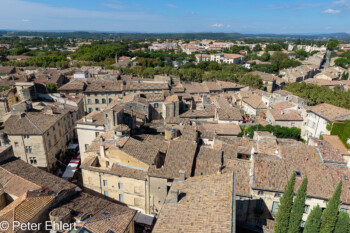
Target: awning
144, 219
70, 170
72, 146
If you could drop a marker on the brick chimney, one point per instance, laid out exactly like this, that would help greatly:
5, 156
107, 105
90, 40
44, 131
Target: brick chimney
182, 175
174, 196
102, 151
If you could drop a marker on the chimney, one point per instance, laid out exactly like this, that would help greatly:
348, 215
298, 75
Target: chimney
182, 175
174, 197
102, 151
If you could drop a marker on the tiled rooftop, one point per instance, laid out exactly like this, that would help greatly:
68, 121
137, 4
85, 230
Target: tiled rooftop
205, 206
180, 156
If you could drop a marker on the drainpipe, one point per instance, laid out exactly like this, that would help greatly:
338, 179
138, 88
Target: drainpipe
25, 153
233, 211
100, 183
146, 197
317, 125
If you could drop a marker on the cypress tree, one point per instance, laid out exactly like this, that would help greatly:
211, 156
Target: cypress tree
285, 207
329, 215
313, 222
298, 208
343, 223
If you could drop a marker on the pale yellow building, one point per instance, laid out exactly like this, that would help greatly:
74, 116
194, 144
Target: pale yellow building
40, 136
116, 167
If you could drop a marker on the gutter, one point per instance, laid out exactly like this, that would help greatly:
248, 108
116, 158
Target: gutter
233, 210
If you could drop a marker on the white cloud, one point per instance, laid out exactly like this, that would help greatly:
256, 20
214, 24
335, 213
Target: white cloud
25, 20
66, 18
217, 25
171, 5
228, 25
331, 11
113, 6
343, 4
294, 6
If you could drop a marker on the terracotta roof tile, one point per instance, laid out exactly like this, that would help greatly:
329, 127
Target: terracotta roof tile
205, 206
180, 156
255, 101
283, 105
330, 112
212, 86
336, 143
285, 115
232, 114
36, 176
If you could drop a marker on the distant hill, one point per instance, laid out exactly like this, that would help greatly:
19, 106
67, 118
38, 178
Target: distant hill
202, 35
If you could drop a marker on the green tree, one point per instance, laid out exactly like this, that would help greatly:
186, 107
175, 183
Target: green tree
52, 88
213, 66
298, 208
345, 76
251, 80
265, 56
342, 61
202, 65
302, 54
332, 44
274, 47
313, 222
285, 207
343, 223
257, 48
329, 215
316, 95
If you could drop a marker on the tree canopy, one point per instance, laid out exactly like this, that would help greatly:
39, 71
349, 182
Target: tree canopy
317, 95
298, 208
329, 215
313, 222
285, 207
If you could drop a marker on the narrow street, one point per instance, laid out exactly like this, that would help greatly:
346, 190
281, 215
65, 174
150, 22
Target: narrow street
327, 60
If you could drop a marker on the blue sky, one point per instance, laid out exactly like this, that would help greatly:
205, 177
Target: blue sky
245, 16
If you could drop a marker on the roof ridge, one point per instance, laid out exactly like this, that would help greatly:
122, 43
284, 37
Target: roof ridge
15, 175
109, 216
26, 117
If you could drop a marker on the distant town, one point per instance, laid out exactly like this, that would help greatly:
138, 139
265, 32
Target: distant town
174, 135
